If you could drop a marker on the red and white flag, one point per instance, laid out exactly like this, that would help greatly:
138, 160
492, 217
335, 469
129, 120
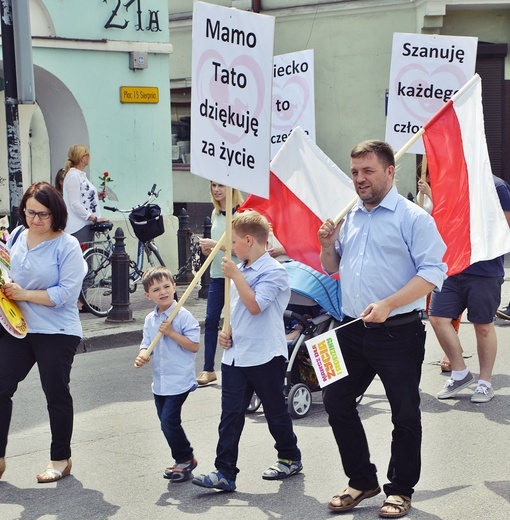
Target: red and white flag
467, 210
305, 188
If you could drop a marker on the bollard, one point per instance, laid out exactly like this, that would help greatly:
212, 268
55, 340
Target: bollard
184, 248
206, 277
120, 310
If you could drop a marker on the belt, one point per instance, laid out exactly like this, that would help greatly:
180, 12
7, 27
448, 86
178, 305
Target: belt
395, 321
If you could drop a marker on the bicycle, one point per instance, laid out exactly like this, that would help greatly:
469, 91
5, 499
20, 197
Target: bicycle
193, 262
147, 223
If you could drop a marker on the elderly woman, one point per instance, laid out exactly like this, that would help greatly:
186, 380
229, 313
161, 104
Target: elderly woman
47, 271
80, 195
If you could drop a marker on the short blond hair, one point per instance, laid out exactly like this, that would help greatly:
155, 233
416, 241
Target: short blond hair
251, 223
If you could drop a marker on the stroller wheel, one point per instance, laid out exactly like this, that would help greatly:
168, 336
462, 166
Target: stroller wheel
299, 401
254, 404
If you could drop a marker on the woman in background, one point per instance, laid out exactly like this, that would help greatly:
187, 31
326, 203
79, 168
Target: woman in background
216, 295
80, 195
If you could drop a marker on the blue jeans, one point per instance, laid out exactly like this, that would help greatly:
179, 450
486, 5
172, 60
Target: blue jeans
396, 355
215, 302
169, 412
237, 387
54, 355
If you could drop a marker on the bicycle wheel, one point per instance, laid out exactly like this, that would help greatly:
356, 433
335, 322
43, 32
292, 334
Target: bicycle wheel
152, 253
96, 292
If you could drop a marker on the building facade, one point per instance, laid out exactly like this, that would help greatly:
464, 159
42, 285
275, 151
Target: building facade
98, 67
352, 43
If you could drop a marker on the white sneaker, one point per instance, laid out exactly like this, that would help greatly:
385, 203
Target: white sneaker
483, 394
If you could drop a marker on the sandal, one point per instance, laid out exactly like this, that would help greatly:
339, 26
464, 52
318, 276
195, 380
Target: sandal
181, 472
344, 501
446, 366
52, 475
400, 502
283, 468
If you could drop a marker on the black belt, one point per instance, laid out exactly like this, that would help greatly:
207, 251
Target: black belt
395, 321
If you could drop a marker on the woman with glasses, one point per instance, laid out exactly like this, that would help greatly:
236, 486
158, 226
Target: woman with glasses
47, 270
80, 195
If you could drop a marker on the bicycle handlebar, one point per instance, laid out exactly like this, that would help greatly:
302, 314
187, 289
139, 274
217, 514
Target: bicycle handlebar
152, 194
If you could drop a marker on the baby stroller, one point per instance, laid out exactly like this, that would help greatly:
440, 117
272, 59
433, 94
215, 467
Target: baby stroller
315, 306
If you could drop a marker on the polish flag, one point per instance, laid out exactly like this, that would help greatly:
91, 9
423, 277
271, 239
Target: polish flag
467, 210
305, 188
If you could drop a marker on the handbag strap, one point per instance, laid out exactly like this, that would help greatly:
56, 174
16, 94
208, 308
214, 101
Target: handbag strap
17, 234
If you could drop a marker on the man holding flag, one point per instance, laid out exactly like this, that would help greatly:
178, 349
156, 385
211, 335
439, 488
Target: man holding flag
389, 254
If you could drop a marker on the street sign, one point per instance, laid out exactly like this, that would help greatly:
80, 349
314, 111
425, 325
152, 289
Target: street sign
139, 95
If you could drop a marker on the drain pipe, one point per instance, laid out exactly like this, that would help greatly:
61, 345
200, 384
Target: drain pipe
255, 6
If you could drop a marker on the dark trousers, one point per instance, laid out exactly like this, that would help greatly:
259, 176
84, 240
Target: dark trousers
237, 387
215, 302
396, 355
54, 354
169, 412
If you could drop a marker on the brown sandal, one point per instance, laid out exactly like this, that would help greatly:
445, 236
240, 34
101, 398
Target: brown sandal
400, 502
344, 501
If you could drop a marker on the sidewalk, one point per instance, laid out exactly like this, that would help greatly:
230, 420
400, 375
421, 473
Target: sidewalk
99, 334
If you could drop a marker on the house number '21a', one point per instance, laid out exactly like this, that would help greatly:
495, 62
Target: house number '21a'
115, 23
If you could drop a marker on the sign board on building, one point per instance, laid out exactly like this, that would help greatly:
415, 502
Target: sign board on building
293, 96
231, 97
139, 95
426, 70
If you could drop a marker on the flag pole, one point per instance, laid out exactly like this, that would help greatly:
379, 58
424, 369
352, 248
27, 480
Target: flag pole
415, 137
228, 254
187, 292
423, 177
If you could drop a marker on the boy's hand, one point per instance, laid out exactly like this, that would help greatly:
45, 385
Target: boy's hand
228, 267
141, 360
166, 328
225, 340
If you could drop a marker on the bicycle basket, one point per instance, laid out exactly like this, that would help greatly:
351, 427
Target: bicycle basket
147, 222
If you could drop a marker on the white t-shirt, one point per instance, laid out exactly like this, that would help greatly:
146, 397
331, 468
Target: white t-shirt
81, 199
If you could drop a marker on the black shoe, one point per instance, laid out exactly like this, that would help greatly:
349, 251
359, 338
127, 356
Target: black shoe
504, 314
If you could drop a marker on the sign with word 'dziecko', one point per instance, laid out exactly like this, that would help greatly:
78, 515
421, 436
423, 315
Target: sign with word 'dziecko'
231, 97
426, 70
293, 97
326, 358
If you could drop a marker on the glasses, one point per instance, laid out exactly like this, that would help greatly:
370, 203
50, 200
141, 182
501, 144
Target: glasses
43, 215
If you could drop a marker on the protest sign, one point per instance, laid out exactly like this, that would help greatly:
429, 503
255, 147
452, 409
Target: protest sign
231, 97
426, 70
326, 358
293, 97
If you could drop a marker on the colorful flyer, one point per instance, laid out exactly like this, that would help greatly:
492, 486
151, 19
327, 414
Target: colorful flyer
326, 357
11, 317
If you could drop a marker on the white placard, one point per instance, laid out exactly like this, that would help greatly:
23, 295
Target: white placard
293, 97
326, 358
426, 70
231, 97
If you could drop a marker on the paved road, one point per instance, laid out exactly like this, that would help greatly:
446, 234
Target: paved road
119, 452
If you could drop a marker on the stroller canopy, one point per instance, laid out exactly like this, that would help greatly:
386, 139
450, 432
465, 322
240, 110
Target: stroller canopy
324, 290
